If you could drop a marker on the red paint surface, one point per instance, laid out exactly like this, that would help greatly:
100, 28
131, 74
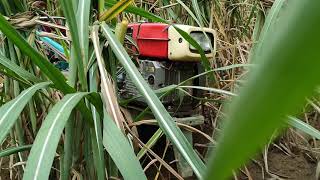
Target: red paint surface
152, 39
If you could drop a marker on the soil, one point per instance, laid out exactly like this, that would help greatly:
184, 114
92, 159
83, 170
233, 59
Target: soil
283, 166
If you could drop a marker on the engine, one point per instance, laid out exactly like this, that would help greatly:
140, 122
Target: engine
164, 58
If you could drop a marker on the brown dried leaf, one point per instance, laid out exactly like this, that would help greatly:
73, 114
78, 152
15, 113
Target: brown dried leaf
109, 97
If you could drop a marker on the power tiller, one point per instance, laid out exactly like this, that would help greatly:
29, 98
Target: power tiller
164, 58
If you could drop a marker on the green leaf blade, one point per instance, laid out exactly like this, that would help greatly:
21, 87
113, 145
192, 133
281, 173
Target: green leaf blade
22, 73
120, 150
44, 148
306, 128
274, 13
83, 18
274, 88
77, 57
10, 151
11, 110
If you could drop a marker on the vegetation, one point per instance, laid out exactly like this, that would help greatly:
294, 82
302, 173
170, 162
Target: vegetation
73, 125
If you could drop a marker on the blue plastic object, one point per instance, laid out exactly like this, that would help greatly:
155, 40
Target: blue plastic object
53, 43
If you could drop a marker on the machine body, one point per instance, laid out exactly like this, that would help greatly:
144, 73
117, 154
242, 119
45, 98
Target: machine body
165, 58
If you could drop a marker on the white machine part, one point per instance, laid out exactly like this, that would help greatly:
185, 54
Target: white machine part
180, 50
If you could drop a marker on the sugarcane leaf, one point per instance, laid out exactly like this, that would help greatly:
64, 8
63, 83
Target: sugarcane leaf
268, 25
109, 96
17, 70
151, 142
138, 11
11, 110
96, 131
209, 89
13, 75
198, 13
165, 120
274, 88
97, 146
304, 127
14, 150
170, 11
77, 56
83, 17
197, 19
256, 33
121, 151
115, 10
44, 147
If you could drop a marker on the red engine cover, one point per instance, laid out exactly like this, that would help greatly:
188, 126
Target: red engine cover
151, 38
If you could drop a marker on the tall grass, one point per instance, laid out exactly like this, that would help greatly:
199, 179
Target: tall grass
74, 124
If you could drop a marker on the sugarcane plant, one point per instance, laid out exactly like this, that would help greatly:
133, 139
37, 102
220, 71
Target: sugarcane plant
71, 124
81, 108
